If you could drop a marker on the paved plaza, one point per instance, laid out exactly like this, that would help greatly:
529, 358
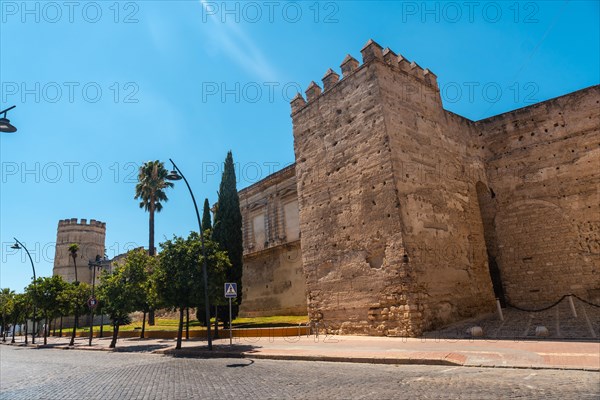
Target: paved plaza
29, 373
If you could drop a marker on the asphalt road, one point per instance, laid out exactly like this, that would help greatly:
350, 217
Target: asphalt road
27, 373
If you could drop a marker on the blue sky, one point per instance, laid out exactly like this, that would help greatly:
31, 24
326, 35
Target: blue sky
101, 87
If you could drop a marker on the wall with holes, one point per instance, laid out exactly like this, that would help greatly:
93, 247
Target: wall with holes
543, 165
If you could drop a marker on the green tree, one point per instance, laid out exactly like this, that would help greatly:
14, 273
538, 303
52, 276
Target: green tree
21, 310
179, 279
115, 297
227, 229
150, 190
75, 297
45, 293
206, 219
138, 269
7, 303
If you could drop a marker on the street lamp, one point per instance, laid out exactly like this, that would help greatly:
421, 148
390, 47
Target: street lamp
92, 300
18, 246
177, 175
5, 125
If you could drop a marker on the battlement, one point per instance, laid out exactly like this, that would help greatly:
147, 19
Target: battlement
371, 52
83, 222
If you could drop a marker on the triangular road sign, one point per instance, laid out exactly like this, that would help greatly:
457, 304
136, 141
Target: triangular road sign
231, 290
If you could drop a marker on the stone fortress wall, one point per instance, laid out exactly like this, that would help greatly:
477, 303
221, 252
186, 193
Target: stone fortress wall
543, 164
90, 237
414, 217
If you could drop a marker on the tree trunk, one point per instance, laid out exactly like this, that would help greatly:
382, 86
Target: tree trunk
75, 264
143, 325
151, 229
45, 330
13, 332
75, 322
3, 329
151, 321
26, 333
187, 323
216, 322
54, 326
113, 342
101, 325
60, 331
180, 329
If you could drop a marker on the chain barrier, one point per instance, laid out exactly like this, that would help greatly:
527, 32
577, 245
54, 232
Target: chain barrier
585, 301
552, 305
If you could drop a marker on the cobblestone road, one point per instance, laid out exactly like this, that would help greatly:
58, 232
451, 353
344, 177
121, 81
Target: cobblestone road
27, 373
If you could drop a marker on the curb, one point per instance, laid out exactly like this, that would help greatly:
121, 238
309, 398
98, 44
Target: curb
183, 353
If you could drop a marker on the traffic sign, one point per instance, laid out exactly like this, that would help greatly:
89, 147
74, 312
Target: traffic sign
92, 302
230, 290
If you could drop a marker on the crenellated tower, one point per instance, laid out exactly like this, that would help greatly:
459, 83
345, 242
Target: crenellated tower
396, 244
90, 238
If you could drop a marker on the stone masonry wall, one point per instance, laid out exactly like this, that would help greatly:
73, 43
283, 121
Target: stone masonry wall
90, 238
273, 280
386, 251
436, 168
543, 164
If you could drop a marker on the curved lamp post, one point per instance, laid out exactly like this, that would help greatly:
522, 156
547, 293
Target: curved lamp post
176, 175
93, 265
18, 246
5, 125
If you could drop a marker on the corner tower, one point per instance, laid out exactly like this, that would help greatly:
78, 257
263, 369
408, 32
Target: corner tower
392, 239
90, 238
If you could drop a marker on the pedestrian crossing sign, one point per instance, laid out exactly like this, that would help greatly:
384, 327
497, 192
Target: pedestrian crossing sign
230, 290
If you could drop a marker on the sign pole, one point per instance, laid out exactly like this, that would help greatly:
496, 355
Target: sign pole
230, 293
230, 331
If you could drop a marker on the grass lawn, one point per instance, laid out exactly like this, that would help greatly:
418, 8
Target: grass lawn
163, 324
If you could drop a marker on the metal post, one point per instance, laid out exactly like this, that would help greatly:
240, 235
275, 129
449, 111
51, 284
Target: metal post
499, 308
573, 310
34, 285
92, 308
230, 331
204, 267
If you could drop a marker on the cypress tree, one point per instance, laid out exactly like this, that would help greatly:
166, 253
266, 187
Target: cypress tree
206, 222
227, 229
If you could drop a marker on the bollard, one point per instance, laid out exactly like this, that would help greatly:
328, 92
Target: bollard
541, 331
499, 307
572, 306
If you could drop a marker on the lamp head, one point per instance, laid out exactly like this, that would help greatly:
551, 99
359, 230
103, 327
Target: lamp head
174, 176
16, 246
5, 126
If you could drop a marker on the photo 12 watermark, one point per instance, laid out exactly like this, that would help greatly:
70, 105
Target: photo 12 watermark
252, 12
46, 251
69, 92
70, 12
516, 12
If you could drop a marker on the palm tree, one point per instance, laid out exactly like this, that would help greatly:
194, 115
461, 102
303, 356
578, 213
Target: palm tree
152, 180
73, 249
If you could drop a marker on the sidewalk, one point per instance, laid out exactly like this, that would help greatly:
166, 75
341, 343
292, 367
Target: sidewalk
542, 354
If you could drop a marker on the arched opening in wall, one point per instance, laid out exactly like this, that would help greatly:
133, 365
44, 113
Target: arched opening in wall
485, 198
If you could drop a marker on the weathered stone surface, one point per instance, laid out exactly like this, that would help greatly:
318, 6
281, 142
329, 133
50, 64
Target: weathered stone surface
413, 217
90, 238
543, 164
273, 280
